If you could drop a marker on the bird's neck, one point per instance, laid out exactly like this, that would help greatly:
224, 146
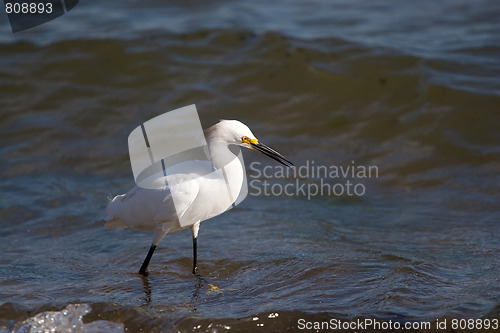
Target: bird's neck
218, 148
220, 154
229, 164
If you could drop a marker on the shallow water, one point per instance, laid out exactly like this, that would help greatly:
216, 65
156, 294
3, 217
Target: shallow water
346, 84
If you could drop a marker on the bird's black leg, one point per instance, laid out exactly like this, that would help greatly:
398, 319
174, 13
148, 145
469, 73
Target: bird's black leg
194, 231
201, 279
144, 267
195, 264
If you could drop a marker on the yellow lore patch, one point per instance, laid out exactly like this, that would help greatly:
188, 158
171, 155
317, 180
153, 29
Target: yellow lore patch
247, 140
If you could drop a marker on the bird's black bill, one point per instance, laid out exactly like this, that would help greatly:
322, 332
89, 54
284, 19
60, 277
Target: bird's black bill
272, 154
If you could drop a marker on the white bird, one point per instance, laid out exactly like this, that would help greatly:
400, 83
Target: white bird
198, 194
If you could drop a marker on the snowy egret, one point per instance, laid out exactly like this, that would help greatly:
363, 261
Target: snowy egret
154, 209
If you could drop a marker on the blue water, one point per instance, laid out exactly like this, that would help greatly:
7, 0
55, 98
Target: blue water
410, 87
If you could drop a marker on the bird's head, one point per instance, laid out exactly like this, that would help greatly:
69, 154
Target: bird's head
234, 132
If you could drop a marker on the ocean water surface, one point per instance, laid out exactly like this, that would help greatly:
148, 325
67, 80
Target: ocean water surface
411, 89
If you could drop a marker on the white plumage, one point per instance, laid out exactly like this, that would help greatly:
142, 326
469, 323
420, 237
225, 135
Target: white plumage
197, 189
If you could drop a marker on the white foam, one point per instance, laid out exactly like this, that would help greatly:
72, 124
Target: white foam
68, 320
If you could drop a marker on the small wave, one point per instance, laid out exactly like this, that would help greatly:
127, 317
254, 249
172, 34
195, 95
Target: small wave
68, 320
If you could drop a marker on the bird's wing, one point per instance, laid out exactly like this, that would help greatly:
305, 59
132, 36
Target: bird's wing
166, 199
178, 201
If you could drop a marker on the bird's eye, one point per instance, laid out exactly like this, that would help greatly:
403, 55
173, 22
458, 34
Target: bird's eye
245, 139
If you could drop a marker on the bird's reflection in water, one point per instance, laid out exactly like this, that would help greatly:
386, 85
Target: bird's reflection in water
147, 289
201, 283
196, 292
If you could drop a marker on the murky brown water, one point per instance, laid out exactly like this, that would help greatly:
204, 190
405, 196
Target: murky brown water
421, 243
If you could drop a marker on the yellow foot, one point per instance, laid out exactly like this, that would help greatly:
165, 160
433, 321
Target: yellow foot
213, 288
